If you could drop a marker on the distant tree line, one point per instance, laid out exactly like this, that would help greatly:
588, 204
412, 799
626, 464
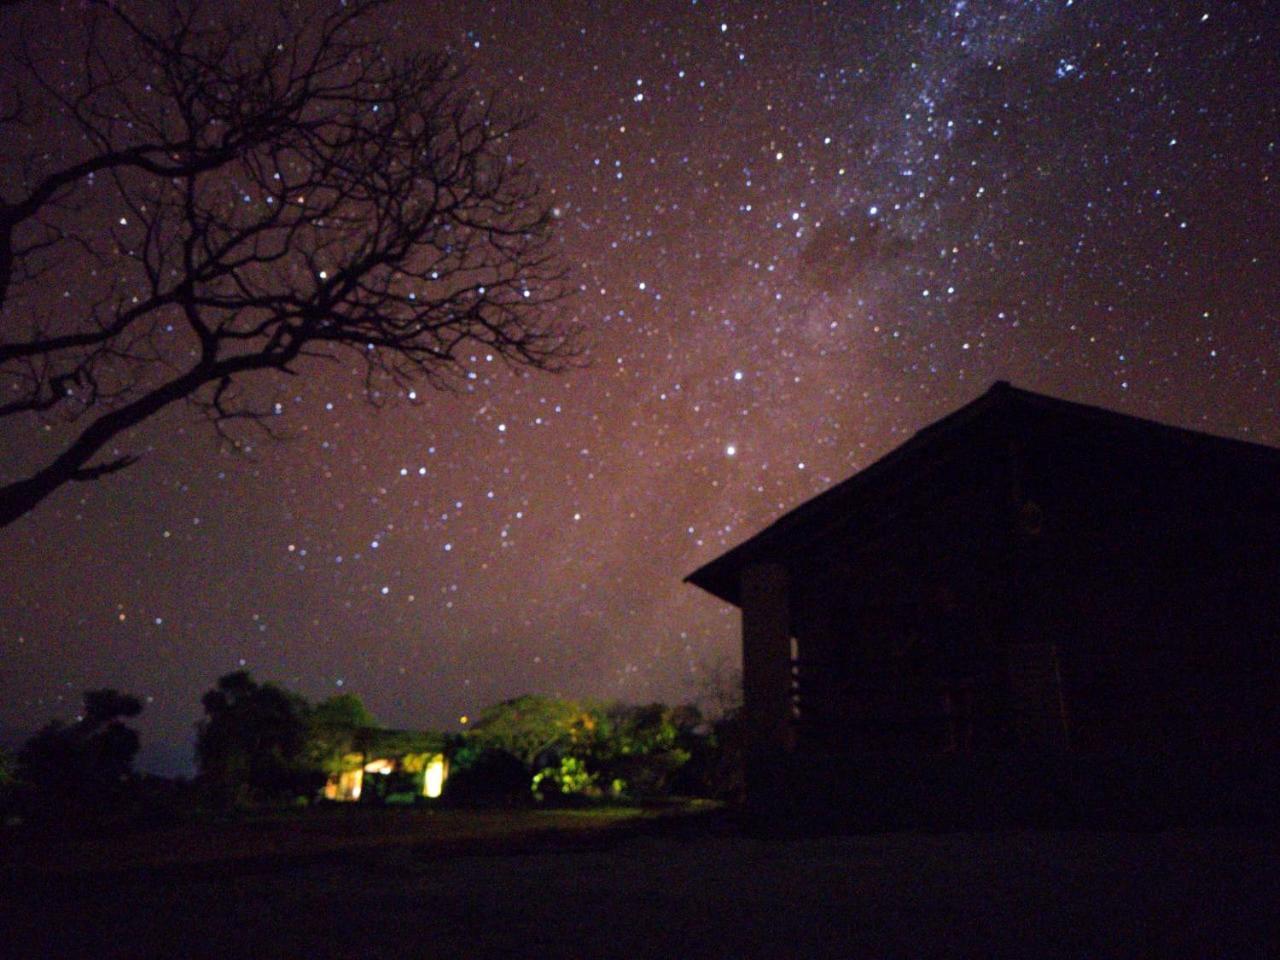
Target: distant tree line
261, 744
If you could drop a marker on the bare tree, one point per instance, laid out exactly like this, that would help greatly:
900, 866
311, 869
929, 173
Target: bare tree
249, 196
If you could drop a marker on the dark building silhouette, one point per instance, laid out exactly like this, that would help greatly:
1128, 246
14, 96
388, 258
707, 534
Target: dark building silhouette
1032, 605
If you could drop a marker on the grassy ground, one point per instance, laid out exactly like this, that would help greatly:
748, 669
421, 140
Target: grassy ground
626, 883
326, 832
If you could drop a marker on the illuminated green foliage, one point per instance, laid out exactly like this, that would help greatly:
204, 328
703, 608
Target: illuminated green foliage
571, 776
582, 748
530, 727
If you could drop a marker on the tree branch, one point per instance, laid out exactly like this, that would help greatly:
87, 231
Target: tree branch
287, 198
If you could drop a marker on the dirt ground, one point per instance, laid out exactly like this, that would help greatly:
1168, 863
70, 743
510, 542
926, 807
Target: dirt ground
391, 884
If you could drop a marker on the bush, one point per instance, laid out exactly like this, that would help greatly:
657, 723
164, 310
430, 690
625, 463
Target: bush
480, 776
569, 776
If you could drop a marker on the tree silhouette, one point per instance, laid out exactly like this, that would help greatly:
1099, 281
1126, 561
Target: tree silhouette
88, 760
8, 774
251, 744
242, 197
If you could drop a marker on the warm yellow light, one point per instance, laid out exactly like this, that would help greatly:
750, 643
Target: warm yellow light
433, 777
346, 786
463, 719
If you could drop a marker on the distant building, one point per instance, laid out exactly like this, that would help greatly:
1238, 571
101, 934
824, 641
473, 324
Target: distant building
390, 766
1029, 593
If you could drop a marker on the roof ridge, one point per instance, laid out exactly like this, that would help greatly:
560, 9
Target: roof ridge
999, 393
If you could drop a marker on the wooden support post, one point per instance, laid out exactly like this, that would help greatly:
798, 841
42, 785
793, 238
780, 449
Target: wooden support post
766, 680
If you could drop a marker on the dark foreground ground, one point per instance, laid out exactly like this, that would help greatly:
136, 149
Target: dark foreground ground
391, 884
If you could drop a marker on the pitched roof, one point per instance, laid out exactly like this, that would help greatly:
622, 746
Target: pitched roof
380, 740
720, 576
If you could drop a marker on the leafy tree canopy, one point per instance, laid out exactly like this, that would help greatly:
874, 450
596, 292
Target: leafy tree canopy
334, 732
532, 725
252, 742
345, 710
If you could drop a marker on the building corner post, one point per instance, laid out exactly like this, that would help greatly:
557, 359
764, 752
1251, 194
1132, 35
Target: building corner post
767, 683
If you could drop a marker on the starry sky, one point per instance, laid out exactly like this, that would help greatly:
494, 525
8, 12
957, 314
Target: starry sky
801, 231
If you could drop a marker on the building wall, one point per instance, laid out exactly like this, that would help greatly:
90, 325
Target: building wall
1046, 588
1055, 624
899, 616
1155, 574
424, 773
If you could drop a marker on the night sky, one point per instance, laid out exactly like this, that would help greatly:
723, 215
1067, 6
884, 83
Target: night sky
802, 231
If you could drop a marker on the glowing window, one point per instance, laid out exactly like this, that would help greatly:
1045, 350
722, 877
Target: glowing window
433, 776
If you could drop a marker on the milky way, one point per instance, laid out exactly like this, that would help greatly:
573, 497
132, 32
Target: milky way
801, 232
